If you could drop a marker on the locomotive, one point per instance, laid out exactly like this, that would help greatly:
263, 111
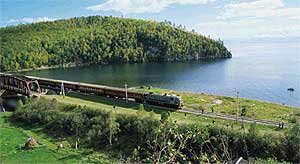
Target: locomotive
171, 101
165, 100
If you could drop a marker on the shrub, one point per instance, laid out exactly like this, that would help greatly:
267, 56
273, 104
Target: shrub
146, 135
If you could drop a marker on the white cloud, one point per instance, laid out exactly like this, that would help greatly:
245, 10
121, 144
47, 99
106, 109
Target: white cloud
250, 28
256, 19
30, 20
142, 6
260, 9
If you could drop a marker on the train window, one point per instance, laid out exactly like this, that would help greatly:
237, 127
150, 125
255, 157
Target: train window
172, 99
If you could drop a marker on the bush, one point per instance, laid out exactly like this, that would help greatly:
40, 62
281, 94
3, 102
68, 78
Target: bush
146, 135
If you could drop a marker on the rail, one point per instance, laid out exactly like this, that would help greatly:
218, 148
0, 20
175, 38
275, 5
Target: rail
22, 84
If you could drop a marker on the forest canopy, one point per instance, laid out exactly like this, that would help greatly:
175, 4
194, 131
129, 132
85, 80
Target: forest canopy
97, 39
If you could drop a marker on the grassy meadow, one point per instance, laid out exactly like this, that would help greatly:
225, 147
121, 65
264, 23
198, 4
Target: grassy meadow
13, 137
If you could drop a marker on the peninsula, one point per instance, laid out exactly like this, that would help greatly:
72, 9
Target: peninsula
97, 39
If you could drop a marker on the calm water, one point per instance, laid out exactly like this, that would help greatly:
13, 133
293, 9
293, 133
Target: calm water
259, 71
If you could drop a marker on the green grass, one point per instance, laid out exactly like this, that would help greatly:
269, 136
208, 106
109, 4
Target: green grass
260, 110
12, 138
131, 108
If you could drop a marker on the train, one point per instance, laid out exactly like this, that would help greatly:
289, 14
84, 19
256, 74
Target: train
164, 100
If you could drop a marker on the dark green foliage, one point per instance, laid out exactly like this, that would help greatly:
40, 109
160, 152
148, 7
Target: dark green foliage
164, 116
244, 111
291, 144
145, 138
138, 128
99, 39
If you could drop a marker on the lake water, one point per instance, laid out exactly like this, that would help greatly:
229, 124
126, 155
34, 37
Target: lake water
257, 70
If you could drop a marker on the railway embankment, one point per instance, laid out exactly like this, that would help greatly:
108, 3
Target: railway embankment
185, 117
233, 106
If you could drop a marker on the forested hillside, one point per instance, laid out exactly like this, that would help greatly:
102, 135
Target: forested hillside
99, 39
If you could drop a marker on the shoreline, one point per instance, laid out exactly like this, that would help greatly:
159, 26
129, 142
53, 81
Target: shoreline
218, 95
70, 65
253, 108
73, 65
246, 98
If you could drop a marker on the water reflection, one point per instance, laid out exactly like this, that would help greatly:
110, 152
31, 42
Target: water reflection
264, 76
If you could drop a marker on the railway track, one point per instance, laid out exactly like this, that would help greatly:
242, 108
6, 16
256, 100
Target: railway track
212, 115
227, 117
206, 114
234, 118
25, 84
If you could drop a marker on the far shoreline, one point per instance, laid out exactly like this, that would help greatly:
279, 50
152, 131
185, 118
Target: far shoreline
72, 65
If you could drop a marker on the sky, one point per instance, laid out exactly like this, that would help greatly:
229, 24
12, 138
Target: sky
224, 19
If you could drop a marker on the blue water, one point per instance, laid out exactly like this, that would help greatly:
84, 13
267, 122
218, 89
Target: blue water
257, 70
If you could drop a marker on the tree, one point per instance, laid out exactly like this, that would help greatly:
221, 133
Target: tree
168, 143
98, 39
113, 126
141, 107
19, 105
77, 123
164, 116
292, 143
244, 111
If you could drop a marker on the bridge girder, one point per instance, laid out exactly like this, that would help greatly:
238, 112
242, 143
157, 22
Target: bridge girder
17, 84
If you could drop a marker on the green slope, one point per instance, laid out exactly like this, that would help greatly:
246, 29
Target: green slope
12, 138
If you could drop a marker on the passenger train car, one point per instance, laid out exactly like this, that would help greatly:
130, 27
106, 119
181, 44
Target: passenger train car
171, 101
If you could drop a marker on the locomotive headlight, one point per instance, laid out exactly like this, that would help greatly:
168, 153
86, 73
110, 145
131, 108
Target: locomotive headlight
178, 100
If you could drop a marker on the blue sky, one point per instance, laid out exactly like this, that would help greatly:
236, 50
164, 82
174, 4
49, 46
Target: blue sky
225, 19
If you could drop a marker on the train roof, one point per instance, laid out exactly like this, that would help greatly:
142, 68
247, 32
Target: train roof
165, 95
83, 84
31, 78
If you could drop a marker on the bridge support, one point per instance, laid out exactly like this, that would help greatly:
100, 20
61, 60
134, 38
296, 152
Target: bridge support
2, 109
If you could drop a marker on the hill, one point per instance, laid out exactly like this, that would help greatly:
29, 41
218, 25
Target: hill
97, 39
